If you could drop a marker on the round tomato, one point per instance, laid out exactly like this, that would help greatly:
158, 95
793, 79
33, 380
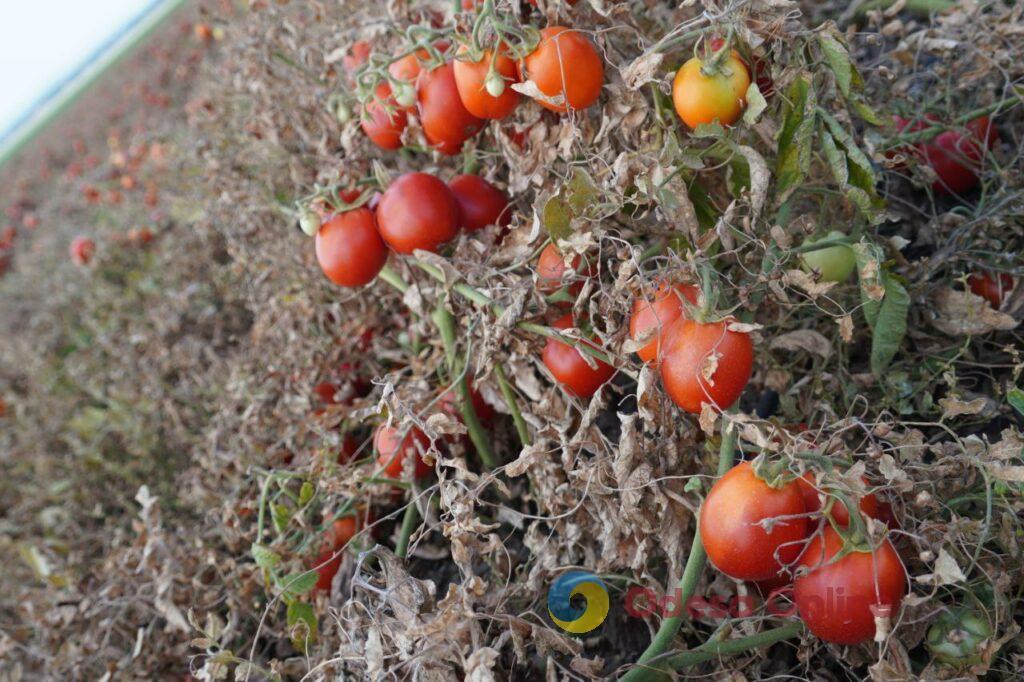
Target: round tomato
659, 314
383, 120
349, 248
551, 270
838, 599
449, 404
868, 504
447, 124
705, 363
703, 98
394, 451
417, 211
480, 203
569, 367
565, 67
731, 525
759, 67
476, 81
955, 155
82, 250
993, 287
834, 263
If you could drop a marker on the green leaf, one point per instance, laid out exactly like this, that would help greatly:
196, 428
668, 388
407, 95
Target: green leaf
581, 192
756, 104
1015, 397
557, 218
707, 213
836, 159
303, 624
306, 493
864, 110
838, 60
794, 145
266, 559
281, 515
297, 584
890, 325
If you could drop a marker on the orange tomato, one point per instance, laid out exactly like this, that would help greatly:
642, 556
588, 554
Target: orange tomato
704, 98
565, 66
475, 91
659, 313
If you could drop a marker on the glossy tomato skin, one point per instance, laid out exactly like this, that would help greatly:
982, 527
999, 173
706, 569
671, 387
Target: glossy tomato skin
349, 248
470, 80
758, 67
729, 518
835, 599
417, 211
447, 124
394, 450
687, 352
659, 313
480, 203
721, 97
993, 287
383, 120
869, 504
405, 71
551, 269
569, 367
565, 64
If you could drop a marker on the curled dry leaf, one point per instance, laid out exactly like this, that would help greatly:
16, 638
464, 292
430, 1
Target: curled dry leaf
961, 313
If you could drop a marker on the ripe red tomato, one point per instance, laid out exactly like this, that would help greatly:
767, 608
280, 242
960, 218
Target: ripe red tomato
383, 120
356, 57
869, 504
480, 203
82, 250
417, 211
551, 269
350, 249
659, 313
394, 451
570, 369
449, 404
730, 527
475, 91
328, 560
836, 598
705, 363
701, 98
955, 155
446, 122
565, 65
348, 450
993, 287
327, 392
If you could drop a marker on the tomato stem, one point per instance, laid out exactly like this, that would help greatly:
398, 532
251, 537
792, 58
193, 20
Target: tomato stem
510, 399
711, 650
412, 515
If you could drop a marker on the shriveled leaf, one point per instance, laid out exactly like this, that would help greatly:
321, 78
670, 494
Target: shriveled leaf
803, 339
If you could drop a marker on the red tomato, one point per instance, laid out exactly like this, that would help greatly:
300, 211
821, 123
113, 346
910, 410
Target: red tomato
480, 203
447, 124
551, 269
474, 90
350, 249
394, 451
82, 250
869, 504
836, 598
327, 392
730, 527
565, 65
383, 120
993, 287
449, 404
955, 155
356, 56
659, 313
348, 450
417, 211
705, 363
570, 369
328, 560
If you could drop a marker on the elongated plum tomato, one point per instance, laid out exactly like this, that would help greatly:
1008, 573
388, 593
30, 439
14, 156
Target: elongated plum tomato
991, 286
705, 363
417, 211
394, 451
480, 203
447, 124
551, 270
704, 98
565, 67
82, 250
834, 263
474, 90
868, 504
658, 314
838, 600
383, 120
328, 560
570, 369
349, 248
356, 57
730, 525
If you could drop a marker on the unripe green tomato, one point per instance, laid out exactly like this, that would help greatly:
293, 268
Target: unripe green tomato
494, 84
309, 221
956, 637
404, 94
343, 113
835, 263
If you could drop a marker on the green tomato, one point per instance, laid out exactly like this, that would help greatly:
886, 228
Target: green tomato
956, 637
835, 263
309, 221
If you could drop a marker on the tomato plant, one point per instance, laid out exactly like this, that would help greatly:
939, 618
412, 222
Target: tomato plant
480, 203
82, 250
705, 362
383, 120
566, 67
840, 594
404, 73
552, 269
417, 211
483, 83
991, 286
349, 248
394, 450
833, 263
659, 313
869, 504
449, 404
737, 528
581, 377
356, 56
446, 122
703, 92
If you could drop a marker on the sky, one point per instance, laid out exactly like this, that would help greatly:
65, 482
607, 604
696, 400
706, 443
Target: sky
42, 41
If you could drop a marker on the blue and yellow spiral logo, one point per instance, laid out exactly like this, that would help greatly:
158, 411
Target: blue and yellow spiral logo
575, 619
